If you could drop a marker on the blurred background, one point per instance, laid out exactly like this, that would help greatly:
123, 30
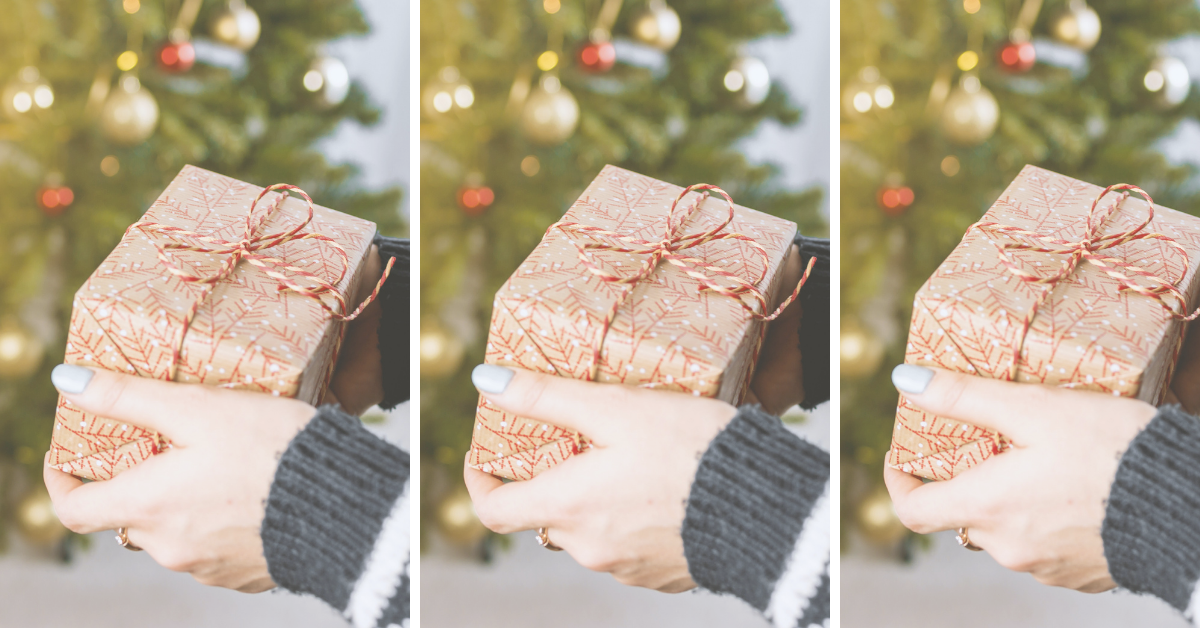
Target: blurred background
101, 103
522, 104
943, 103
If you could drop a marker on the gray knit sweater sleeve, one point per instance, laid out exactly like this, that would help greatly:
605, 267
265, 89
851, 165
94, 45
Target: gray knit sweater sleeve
758, 520
1151, 525
337, 520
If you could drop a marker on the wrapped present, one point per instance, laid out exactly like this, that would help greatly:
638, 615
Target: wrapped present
221, 283
641, 283
1061, 283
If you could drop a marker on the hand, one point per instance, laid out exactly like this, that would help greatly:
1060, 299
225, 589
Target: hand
1038, 507
198, 506
357, 382
1185, 384
619, 507
778, 382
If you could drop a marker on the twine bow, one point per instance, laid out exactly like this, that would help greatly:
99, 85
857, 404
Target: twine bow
250, 248
1088, 248
669, 249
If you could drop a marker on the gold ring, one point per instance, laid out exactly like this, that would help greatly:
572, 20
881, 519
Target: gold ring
123, 540
543, 538
965, 541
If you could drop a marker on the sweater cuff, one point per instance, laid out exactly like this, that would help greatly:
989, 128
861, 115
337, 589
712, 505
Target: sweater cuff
814, 326
333, 504
394, 343
758, 521
1151, 530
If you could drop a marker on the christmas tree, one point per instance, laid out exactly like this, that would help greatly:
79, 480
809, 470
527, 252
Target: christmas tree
943, 104
103, 102
524, 102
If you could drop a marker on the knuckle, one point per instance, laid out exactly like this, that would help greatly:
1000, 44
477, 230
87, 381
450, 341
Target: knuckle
487, 516
953, 395
109, 397
910, 520
533, 392
595, 559
175, 560
1014, 559
71, 521
194, 396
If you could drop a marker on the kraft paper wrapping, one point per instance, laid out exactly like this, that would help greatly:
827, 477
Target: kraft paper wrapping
245, 335
667, 334
1089, 334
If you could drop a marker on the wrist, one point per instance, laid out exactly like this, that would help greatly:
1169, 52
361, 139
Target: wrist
758, 501
1151, 516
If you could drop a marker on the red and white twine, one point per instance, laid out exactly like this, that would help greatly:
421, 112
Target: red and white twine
668, 249
249, 248
1088, 248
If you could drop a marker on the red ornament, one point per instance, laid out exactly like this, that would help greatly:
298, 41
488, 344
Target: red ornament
597, 56
176, 57
53, 200
894, 200
474, 200
1016, 57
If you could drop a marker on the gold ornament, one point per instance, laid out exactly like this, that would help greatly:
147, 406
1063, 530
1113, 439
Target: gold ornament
1078, 26
749, 80
861, 352
130, 113
237, 25
971, 113
658, 26
456, 518
867, 91
20, 351
36, 519
1168, 80
441, 351
877, 520
26, 93
448, 91
550, 114
328, 80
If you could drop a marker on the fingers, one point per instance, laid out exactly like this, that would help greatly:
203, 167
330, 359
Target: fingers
86, 508
587, 407
153, 404
506, 508
1017, 410
930, 507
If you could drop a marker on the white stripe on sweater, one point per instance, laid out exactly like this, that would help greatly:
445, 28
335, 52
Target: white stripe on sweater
380, 577
802, 575
1194, 606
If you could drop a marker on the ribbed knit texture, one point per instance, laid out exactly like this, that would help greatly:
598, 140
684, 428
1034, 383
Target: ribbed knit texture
814, 327
753, 491
335, 485
394, 298
1151, 525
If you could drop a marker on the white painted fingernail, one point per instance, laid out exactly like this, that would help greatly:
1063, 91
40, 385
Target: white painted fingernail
490, 378
911, 378
71, 379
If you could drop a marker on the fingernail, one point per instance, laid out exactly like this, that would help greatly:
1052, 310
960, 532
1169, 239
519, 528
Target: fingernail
911, 378
71, 379
490, 378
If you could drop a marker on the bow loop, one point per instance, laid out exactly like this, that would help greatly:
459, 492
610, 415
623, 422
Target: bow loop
669, 248
249, 248
1088, 248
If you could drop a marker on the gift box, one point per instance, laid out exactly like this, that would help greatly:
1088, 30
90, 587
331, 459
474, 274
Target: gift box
632, 288
159, 306
1061, 283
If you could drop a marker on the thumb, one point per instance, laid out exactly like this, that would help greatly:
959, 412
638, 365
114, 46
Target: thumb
1011, 408
587, 407
152, 404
